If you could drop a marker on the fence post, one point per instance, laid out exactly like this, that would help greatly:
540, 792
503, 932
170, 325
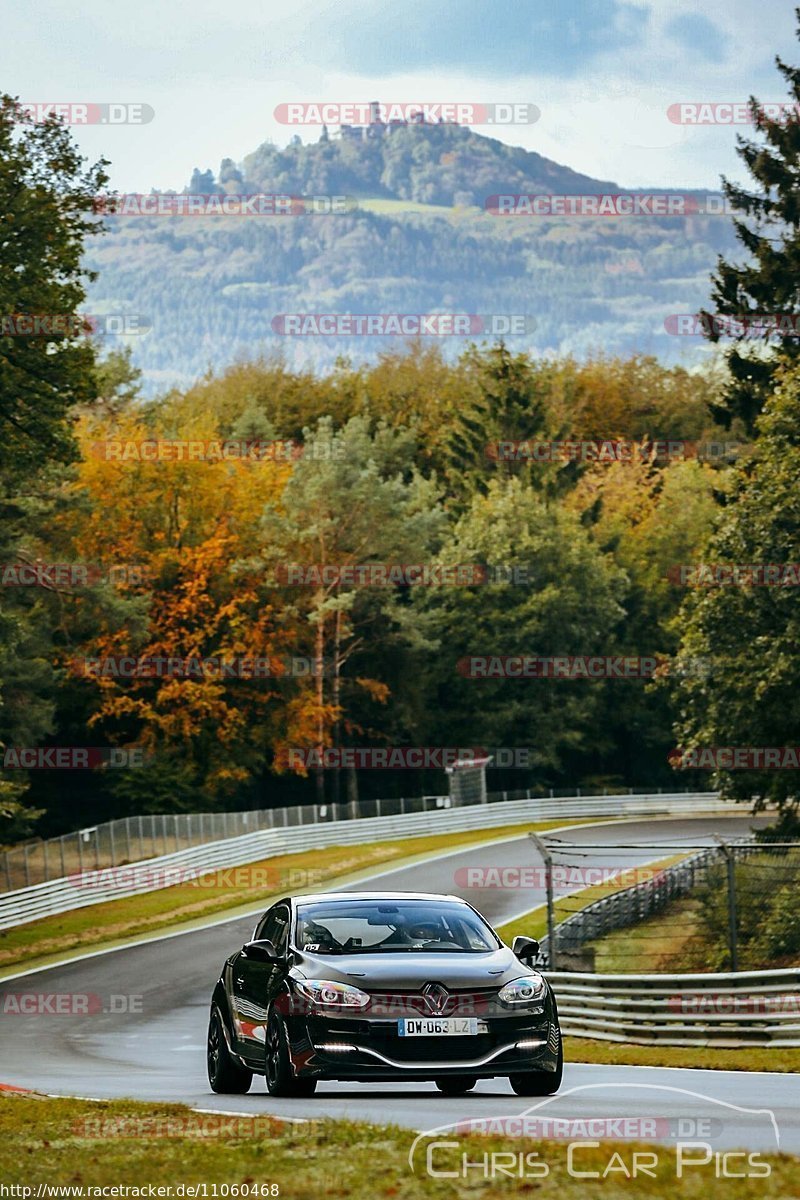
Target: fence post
113, 842
548, 882
730, 863
128, 837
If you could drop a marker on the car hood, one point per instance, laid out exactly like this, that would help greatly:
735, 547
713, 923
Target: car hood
408, 970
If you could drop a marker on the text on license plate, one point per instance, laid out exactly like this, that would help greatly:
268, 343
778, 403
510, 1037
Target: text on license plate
437, 1026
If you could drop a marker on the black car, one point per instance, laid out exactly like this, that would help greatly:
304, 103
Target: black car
365, 986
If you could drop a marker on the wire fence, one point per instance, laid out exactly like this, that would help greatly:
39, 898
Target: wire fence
728, 907
133, 839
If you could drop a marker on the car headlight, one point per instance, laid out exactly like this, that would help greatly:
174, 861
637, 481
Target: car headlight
526, 990
328, 994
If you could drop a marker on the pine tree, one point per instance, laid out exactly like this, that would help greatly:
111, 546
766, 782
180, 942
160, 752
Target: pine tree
768, 283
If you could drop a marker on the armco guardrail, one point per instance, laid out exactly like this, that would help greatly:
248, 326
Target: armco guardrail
749, 1008
80, 890
135, 839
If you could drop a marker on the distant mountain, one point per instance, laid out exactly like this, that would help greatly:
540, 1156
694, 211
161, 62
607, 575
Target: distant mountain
429, 164
420, 241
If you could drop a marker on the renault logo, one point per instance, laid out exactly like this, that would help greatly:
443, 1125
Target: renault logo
436, 997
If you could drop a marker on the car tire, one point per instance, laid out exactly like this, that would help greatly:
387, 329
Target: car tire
456, 1085
278, 1066
224, 1074
539, 1083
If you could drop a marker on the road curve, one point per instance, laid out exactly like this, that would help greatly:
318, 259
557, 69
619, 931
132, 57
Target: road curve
144, 1036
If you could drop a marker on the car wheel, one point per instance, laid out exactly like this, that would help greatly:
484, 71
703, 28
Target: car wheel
539, 1083
224, 1075
280, 1080
456, 1085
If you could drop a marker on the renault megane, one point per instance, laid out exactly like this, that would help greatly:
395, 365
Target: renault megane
366, 986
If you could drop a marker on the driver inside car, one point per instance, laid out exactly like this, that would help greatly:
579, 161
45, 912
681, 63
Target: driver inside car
318, 936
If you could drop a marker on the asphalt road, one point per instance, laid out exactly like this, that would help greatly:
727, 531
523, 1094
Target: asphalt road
144, 1034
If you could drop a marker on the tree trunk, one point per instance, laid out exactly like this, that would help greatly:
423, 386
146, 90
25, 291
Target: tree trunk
319, 680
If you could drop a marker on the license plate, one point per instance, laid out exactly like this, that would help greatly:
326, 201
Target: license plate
437, 1026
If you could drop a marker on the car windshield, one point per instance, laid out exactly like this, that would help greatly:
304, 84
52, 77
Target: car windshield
391, 926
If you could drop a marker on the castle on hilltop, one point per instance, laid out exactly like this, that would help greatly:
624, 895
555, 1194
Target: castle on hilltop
378, 128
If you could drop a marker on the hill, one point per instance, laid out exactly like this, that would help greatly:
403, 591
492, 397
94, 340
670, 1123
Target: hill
420, 240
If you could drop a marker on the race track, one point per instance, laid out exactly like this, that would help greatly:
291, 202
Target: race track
157, 1052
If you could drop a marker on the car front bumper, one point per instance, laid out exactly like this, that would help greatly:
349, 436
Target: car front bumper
361, 1049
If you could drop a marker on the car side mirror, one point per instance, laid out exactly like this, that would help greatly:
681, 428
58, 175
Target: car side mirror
261, 951
526, 949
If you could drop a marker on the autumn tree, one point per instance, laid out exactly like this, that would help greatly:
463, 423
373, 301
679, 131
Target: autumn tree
354, 498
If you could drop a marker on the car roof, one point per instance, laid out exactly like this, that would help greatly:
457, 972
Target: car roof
314, 896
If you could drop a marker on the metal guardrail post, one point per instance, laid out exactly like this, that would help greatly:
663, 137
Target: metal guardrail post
548, 883
730, 864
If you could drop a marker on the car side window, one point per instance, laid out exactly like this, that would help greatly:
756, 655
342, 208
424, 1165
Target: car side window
280, 935
266, 926
274, 927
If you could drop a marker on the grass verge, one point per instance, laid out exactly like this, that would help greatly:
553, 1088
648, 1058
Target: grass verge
83, 1145
220, 892
783, 1059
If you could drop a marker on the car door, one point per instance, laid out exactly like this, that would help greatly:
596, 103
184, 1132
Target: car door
255, 983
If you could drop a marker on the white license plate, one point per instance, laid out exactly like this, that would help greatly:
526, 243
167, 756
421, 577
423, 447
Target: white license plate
437, 1026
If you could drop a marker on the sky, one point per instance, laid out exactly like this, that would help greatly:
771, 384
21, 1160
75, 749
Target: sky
602, 72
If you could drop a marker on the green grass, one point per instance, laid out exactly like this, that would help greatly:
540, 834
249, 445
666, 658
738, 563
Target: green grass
659, 943
70, 1142
784, 1059
221, 892
389, 207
